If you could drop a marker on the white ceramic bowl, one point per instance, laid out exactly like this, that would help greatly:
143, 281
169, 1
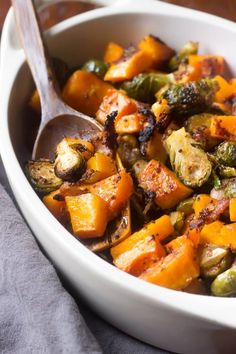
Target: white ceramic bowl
169, 319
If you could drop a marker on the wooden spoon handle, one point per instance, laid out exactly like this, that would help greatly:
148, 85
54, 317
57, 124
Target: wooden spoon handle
38, 58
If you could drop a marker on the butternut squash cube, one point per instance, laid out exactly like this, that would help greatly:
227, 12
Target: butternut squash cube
115, 101
223, 127
157, 178
88, 215
232, 209
113, 52
157, 49
130, 124
84, 91
177, 269
129, 66
56, 206
102, 163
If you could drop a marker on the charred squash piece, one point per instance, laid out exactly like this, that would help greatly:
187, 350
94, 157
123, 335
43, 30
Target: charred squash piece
144, 253
201, 202
129, 66
223, 127
113, 52
157, 49
226, 89
88, 215
115, 190
84, 91
219, 234
206, 66
157, 178
56, 206
115, 101
103, 164
177, 269
130, 124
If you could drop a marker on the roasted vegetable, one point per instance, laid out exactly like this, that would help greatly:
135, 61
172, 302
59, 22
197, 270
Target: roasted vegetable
186, 206
97, 67
182, 56
214, 260
113, 52
177, 220
232, 209
223, 127
227, 189
128, 150
219, 234
128, 66
226, 172
56, 205
198, 126
88, 215
103, 164
177, 269
226, 153
206, 66
42, 176
190, 98
225, 91
144, 86
84, 92
69, 164
157, 49
225, 283
154, 148
157, 178
187, 159
115, 101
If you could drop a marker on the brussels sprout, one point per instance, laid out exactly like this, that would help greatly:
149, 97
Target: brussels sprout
227, 189
225, 283
199, 128
97, 67
42, 177
226, 153
226, 171
128, 150
187, 159
144, 86
191, 97
186, 206
214, 260
177, 220
182, 56
69, 164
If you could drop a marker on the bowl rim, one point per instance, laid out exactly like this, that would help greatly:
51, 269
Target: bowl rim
214, 309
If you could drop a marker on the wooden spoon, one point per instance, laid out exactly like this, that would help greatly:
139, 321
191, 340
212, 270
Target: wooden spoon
57, 118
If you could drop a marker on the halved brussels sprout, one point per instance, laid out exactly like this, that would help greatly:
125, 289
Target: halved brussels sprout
191, 97
214, 260
199, 128
226, 153
42, 176
182, 56
69, 163
98, 67
226, 171
225, 283
227, 189
143, 87
187, 159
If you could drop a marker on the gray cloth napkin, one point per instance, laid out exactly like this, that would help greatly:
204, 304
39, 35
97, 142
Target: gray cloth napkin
37, 314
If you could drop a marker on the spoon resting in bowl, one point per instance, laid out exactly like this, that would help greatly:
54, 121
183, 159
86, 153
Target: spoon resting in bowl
57, 118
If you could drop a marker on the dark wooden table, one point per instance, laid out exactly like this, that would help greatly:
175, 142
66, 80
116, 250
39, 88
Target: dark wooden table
223, 8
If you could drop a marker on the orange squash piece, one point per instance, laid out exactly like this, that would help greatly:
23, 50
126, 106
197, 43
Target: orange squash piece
127, 68
226, 89
158, 50
55, 206
232, 209
130, 124
177, 269
141, 256
219, 234
156, 177
88, 215
205, 66
160, 228
201, 202
115, 101
113, 52
84, 91
115, 190
154, 148
102, 163
223, 127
